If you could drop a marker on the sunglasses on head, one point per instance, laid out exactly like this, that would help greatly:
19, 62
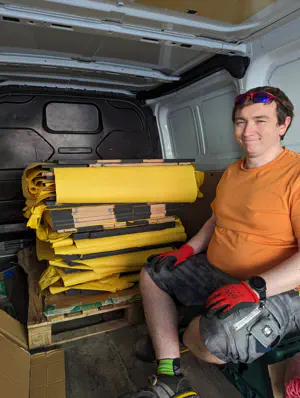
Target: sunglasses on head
256, 97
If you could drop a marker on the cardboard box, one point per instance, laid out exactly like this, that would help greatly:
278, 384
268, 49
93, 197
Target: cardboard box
23, 375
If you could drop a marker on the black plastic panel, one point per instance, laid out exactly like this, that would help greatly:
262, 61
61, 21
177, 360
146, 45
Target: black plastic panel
100, 127
72, 118
236, 65
131, 144
21, 146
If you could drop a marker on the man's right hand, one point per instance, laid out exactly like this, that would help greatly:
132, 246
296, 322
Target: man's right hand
170, 259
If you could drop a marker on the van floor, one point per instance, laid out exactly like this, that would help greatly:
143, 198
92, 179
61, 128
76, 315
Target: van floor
105, 366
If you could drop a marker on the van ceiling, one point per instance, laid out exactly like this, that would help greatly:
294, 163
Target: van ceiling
235, 12
125, 46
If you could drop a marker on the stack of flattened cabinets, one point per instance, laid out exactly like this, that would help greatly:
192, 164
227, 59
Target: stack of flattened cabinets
97, 222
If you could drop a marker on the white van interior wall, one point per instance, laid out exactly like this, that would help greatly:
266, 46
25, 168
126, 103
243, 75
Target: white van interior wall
276, 62
196, 122
189, 122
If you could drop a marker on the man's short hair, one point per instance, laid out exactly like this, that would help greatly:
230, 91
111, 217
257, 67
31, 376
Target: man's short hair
284, 107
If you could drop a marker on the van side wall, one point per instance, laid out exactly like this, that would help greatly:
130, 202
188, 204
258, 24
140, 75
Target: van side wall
196, 121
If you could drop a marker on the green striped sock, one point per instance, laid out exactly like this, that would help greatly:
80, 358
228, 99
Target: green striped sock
170, 367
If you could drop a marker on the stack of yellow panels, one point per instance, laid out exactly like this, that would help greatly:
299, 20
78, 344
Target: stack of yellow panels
97, 223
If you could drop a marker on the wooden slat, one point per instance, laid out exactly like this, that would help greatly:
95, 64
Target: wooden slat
134, 314
35, 305
80, 314
61, 301
65, 337
33, 268
39, 336
84, 314
146, 164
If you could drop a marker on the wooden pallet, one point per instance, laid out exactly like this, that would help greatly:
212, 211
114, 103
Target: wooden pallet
41, 334
40, 327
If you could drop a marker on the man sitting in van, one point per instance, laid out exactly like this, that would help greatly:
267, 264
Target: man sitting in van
247, 280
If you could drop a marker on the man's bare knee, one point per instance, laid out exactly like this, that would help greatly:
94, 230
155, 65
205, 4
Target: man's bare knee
145, 279
192, 339
146, 283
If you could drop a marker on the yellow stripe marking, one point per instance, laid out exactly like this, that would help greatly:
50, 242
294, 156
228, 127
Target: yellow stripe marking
187, 394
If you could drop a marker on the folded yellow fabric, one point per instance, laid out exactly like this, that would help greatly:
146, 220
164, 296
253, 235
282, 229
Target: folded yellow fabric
44, 250
77, 278
35, 214
48, 278
58, 262
128, 259
112, 243
111, 263
87, 243
112, 284
99, 268
62, 242
127, 184
43, 230
33, 184
53, 274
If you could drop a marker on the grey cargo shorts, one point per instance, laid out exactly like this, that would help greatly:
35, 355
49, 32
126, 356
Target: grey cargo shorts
244, 335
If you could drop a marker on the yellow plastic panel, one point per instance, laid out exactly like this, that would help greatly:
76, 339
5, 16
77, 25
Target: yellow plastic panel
157, 184
88, 246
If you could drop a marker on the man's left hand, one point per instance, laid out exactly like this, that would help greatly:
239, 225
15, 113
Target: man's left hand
230, 298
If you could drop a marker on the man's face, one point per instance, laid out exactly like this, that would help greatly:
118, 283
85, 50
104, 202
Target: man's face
256, 128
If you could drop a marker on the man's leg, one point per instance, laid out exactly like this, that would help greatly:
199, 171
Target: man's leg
191, 283
162, 319
192, 339
246, 334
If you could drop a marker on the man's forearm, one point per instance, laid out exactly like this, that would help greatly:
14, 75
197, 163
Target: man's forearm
201, 240
284, 277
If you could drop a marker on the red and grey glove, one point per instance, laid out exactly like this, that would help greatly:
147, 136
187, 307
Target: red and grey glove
230, 298
170, 259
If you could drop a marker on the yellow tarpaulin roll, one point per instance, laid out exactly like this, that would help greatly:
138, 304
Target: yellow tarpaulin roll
163, 184
112, 243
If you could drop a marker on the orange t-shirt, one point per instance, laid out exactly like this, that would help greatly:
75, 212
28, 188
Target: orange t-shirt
257, 216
